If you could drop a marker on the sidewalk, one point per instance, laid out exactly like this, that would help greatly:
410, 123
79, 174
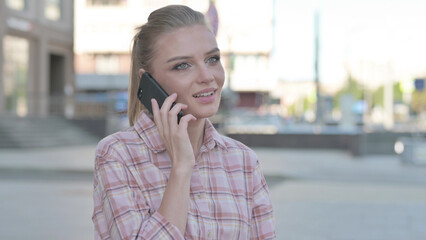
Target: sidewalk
317, 194
330, 195
69, 159
305, 164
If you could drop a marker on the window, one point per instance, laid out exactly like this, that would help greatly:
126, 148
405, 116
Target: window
18, 5
106, 2
107, 64
53, 10
15, 74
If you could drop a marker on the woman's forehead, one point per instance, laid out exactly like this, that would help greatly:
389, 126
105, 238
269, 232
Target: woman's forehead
193, 40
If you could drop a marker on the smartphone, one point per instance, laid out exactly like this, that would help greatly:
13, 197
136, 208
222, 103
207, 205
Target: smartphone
148, 89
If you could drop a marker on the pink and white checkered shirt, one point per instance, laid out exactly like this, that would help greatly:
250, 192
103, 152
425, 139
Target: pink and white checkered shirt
229, 197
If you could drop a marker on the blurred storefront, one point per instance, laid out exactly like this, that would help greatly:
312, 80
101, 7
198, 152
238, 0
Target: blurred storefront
36, 57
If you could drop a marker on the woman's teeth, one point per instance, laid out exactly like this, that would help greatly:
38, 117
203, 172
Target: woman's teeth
204, 94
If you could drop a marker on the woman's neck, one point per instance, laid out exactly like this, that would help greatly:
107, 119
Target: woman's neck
196, 134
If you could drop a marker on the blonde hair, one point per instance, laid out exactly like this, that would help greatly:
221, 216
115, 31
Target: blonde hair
160, 21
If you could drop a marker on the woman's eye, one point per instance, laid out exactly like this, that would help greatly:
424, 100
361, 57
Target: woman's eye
181, 66
213, 59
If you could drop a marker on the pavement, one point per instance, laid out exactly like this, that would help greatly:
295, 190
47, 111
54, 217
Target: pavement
46, 193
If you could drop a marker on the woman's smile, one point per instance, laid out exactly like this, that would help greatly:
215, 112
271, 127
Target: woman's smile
205, 96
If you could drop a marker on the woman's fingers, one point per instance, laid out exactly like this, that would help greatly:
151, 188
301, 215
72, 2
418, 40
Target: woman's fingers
172, 118
168, 111
167, 105
165, 109
185, 120
174, 135
168, 119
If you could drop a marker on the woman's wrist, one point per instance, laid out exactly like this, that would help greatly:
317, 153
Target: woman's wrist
182, 170
183, 163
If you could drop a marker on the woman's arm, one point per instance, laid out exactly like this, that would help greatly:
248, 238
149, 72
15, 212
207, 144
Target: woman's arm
262, 222
119, 211
174, 206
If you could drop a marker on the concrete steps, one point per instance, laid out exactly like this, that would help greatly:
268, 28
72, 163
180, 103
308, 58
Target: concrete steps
35, 132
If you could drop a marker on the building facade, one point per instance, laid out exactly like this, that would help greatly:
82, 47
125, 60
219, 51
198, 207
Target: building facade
104, 30
36, 57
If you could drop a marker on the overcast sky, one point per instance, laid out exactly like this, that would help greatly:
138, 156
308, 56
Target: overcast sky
374, 32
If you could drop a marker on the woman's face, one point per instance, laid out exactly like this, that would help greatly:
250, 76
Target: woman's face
187, 62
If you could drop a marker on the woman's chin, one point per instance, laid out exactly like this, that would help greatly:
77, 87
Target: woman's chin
206, 112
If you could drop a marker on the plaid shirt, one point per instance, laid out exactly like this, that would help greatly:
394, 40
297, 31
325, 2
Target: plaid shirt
229, 197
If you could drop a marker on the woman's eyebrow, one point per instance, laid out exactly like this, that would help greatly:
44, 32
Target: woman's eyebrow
188, 57
212, 51
178, 58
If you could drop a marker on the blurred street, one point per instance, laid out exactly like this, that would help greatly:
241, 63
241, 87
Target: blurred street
327, 91
317, 194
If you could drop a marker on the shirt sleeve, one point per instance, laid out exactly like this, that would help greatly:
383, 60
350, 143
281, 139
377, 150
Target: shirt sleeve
262, 222
117, 213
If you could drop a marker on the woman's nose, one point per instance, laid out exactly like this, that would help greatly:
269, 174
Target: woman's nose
205, 75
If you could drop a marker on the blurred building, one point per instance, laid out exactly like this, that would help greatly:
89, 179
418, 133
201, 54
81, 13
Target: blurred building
104, 30
36, 57
246, 38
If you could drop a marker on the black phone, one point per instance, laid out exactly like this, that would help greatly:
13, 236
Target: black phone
149, 89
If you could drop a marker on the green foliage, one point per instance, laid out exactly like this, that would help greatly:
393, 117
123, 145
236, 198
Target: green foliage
352, 87
397, 92
306, 103
418, 102
379, 94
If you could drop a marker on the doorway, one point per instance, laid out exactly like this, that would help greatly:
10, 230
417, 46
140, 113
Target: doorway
56, 84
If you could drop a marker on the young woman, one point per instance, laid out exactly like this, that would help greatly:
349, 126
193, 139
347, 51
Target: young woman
161, 179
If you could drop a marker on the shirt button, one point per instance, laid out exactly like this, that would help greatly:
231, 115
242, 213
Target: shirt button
209, 234
200, 196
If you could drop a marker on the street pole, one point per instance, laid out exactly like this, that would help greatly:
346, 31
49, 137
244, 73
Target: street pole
388, 97
319, 117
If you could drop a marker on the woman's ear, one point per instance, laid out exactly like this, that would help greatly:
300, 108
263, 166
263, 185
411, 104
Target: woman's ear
141, 71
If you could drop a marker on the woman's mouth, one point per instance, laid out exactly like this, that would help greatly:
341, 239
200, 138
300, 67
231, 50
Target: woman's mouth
205, 96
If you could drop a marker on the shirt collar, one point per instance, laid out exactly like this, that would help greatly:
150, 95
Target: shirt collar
212, 138
148, 131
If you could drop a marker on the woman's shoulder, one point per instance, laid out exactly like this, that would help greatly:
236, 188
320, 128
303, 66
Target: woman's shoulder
232, 144
236, 147
117, 142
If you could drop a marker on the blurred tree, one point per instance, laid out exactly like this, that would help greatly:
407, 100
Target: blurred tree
352, 87
418, 102
378, 95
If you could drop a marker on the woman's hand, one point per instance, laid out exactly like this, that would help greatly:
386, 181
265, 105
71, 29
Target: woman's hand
175, 136
174, 205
